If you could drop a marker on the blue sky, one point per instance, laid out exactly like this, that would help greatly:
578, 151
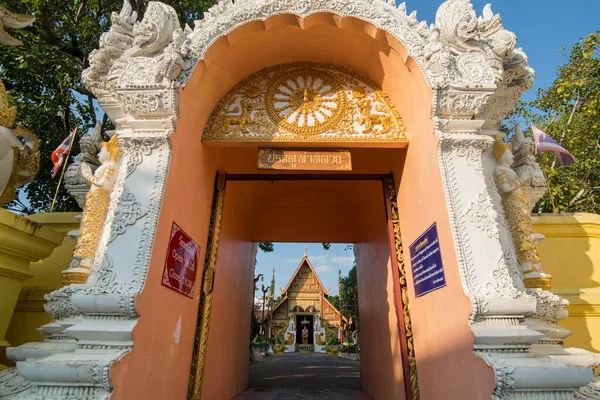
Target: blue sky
287, 256
542, 28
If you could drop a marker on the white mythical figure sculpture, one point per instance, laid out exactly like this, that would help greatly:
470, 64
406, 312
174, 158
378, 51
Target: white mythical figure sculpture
96, 205
19, 155
525, 164
318, 323
19, 152
516, 206
75, 182
291, 324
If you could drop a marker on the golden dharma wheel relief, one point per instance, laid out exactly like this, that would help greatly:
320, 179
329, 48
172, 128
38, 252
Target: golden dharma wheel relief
306, 102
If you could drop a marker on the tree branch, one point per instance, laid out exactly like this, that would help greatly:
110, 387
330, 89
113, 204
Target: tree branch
47, 27
90, 98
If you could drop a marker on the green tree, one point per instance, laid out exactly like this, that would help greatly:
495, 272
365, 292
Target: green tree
334, 300
349, 295
569, 111
43, 78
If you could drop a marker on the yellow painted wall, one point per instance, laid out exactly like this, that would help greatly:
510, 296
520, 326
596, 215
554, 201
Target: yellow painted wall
29, 313
571, 254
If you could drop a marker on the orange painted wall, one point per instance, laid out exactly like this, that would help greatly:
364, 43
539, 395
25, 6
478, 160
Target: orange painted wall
380, 356
312, 211
227, 357
158, 367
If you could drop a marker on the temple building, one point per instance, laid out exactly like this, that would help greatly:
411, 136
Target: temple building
303, 304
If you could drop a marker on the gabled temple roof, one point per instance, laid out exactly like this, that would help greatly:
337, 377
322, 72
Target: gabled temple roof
284, 293
307, 261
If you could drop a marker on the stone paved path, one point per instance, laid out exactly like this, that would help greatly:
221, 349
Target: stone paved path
298, 376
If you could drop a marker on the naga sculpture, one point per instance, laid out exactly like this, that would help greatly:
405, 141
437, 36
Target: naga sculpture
9, 19
516, 206
94, 211
113, 44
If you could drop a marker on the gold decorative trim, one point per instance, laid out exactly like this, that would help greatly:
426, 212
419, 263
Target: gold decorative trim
8, 115
9, 193
306, 102
544, 283
412, 361
69, 277
206, 293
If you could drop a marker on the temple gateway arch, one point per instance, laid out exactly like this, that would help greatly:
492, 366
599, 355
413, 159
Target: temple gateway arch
418, 109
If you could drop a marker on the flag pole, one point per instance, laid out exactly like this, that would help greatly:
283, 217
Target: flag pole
64, 167
549, 190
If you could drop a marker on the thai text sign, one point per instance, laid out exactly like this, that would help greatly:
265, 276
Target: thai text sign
181, 264
305, 160
426, 262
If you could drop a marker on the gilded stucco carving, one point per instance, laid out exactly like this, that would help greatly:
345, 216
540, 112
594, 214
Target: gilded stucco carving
305, 102
412, 361
97, 202
206, 294
516, 206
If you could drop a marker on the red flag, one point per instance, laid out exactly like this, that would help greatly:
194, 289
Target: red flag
59, 154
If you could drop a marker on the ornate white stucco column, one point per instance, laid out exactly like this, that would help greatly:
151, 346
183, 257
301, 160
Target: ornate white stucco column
479, 77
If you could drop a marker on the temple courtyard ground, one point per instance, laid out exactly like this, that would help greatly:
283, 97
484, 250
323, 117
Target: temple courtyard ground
303, 376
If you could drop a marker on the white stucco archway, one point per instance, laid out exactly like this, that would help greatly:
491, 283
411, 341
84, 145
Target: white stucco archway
476, 77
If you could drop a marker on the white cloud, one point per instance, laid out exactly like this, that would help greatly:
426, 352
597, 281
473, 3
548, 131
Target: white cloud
342, 261
324, 268
317, 259
294, 261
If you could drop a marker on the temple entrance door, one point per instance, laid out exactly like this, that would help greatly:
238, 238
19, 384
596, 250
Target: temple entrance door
301, 322
336, 208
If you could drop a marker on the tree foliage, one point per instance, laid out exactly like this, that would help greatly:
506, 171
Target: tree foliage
569, 111
334, 300
348, 297
43, 78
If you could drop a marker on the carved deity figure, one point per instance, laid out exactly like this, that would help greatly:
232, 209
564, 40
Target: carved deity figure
318, 323
291, 324
304, 335
525, 164
438, 57
96, 205
516, 207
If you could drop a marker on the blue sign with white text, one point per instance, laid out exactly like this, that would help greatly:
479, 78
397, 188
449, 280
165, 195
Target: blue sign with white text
426, 262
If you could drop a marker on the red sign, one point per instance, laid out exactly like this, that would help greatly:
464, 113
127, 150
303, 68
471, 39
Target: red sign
181, 265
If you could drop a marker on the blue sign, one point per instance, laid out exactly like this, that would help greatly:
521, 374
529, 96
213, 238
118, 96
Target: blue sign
426, 262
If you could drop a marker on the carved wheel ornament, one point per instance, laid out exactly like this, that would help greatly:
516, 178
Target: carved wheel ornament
306, 102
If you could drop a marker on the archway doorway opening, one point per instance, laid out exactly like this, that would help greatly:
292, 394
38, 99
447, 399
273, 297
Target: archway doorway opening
309, 208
